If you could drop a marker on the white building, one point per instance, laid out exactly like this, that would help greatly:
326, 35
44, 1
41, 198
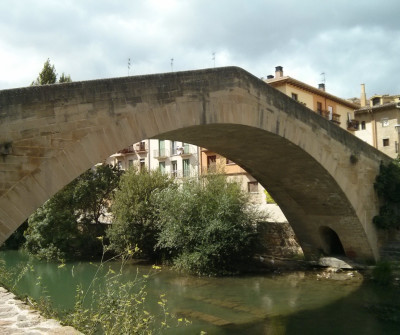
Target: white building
178, 159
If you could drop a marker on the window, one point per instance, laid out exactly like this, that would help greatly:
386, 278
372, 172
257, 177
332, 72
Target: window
174, 147
228, 161
161, 148
376, 101
295, 96
186, 168
186, 148
363, 125
385, 142
130, 163
142, 165
396, 147
252, 187
161, 166
385, 122
330, 113
142, 146
319, 107
212, 162
174, 167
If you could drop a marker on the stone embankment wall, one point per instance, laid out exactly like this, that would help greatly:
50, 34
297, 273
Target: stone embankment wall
277, 236
279, 240
17, 318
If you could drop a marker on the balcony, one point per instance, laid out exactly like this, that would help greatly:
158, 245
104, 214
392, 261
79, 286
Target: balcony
353, 125
186, 150
335, 118
125, 151
160, 153
141, 147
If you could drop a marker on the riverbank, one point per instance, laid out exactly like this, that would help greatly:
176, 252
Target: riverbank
16, 318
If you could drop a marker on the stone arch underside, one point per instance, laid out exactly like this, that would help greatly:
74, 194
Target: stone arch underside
57, 132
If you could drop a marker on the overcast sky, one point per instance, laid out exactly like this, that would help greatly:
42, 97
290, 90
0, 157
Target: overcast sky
352, 42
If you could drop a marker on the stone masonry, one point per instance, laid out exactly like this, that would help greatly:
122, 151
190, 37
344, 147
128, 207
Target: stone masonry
16, 318
319, 174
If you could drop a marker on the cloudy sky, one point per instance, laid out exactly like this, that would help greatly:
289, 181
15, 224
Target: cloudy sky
352, 42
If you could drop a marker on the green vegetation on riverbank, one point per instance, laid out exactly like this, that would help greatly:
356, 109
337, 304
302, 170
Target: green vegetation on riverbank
68, 224
202, 225
387, 185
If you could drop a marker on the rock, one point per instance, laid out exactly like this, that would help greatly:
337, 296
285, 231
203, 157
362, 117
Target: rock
336, 263
17, 318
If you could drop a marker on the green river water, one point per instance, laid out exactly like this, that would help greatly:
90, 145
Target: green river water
290, 303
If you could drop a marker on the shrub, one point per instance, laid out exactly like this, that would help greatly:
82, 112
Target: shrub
133, 211
387, 185
383, 273
64, 226
206, 225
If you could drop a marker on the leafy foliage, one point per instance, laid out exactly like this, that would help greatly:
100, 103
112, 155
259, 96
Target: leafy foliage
206, 225
110, 305
387, 185
383, 273
67, 225
133, 210
48, 75
17, 239
117, 306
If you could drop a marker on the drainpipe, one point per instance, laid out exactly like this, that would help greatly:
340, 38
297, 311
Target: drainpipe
374, 131
149, 154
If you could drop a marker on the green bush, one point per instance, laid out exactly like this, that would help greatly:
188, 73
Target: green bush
387, 185
133, 210
206, 225
67, 225
382, 273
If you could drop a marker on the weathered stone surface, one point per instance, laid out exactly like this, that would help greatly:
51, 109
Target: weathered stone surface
336, 263
17, 318
50, 134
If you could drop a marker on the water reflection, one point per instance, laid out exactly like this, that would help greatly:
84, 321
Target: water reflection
294, 303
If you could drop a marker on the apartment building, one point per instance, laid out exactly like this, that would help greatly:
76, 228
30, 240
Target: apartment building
377, 122
213, 162
176, 158
331, 107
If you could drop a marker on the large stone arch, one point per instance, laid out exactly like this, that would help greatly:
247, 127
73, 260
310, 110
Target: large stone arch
319, 174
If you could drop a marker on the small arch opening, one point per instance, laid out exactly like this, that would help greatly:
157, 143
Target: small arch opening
331, 242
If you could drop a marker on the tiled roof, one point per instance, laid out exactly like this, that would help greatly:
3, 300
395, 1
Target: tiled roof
388, 105
312, 89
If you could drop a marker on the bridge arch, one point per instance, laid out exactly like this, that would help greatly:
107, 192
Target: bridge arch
319, 174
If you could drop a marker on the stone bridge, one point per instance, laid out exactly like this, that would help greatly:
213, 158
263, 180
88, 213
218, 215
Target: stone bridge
320, 175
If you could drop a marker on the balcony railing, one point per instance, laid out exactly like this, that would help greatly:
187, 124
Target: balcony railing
353, 125
127, 150
141, 147
161, 153
191, 173
330, 116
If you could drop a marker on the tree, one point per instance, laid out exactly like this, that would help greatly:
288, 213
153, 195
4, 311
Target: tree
387, 185
134, 211
48, 75
65, 78
67, 225
206, 226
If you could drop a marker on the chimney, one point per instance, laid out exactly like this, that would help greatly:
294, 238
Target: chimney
321, 87
363, 100
278, 71
270, 76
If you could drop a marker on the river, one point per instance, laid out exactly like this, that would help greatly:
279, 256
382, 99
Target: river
290, 303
